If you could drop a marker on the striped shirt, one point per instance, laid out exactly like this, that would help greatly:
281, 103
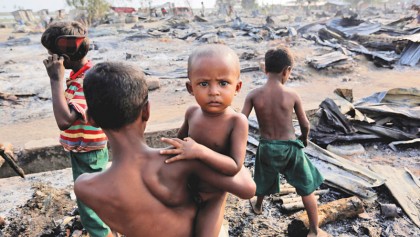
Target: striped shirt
80, 136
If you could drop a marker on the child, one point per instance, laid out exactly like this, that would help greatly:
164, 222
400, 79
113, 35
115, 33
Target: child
212, 131
140, 195
67, 45
279, 151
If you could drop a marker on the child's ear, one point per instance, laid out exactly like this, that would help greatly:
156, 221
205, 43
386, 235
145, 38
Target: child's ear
189, 87
262, 66
145, 112
238, 87
286, 71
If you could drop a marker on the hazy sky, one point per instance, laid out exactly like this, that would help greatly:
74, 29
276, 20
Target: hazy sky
12, 5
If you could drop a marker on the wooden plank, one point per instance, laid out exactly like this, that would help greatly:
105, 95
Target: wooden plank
329, 212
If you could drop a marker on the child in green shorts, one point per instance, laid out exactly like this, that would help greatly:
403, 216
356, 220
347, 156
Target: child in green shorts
67, 45
279, 151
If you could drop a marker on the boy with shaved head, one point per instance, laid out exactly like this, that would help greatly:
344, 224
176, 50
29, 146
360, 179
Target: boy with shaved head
212, 131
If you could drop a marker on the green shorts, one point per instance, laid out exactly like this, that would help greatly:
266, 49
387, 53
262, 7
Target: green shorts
90, 162
275, 157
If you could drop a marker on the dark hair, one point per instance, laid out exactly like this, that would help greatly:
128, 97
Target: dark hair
276, 60
115, 94
57, 29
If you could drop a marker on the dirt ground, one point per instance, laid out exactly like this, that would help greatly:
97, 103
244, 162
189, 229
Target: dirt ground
45, 206
22, 73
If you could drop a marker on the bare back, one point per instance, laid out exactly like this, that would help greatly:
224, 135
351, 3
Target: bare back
274, 105
142, 196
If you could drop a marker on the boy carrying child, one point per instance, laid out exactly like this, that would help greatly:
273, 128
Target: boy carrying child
212, 131
279, 151
67, 44
141, 195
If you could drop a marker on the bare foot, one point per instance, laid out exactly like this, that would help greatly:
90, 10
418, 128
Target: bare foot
255, 209
320, 233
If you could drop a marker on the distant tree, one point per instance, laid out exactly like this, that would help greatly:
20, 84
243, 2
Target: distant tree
248, 4
95, 9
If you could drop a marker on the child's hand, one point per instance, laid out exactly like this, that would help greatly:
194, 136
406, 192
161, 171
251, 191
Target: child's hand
55, 67
183, 149
304, 141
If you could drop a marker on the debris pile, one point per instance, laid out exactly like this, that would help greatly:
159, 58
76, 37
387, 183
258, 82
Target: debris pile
385, 45
329, 43
50, 212
390, 116
352, 200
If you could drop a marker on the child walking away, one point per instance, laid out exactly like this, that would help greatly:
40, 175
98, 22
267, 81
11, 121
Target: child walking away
68, 45
279, 151
212, 131
140, 195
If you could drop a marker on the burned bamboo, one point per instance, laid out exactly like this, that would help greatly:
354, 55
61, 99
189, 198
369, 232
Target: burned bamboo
286, 185
332, 211
321, 192
6, 153
284, 191
289, 207
287, 200
293, 206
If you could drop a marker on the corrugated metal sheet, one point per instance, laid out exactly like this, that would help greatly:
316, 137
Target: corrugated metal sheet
403, 186
325, 60
364, 28
411, 54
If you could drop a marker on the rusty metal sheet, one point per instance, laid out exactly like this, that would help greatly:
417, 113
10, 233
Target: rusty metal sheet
344, 174
325, 60
350, 26
403, 186
395, 102
411, 54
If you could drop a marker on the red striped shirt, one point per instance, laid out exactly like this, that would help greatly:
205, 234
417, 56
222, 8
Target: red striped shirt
80, 136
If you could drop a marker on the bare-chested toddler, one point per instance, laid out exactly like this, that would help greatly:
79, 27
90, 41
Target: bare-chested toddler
212, 132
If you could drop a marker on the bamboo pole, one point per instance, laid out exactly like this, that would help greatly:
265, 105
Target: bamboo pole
293, 206
288, 191
284, 191
287, 200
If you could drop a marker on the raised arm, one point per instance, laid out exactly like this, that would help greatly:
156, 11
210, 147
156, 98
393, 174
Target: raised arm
183, 131
230, 165
241, 185
303, 120
227, 165
246, 110
64, 115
